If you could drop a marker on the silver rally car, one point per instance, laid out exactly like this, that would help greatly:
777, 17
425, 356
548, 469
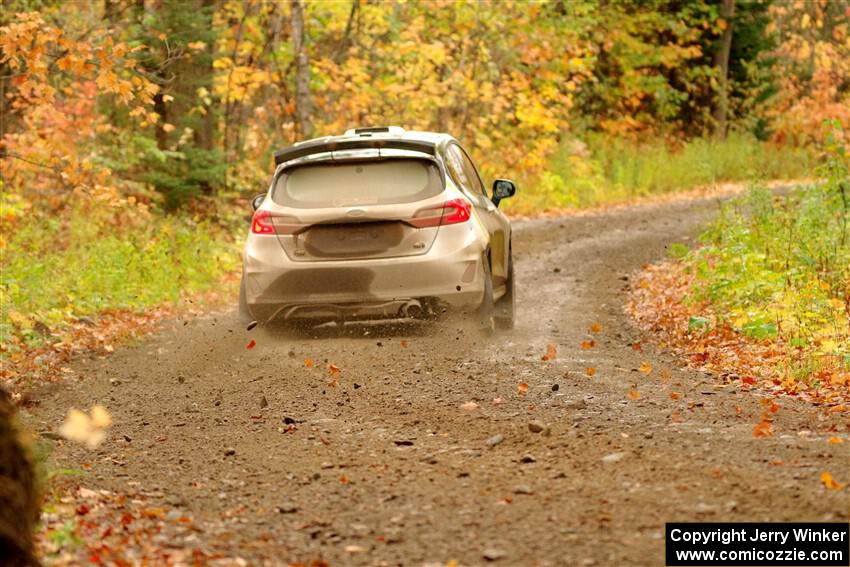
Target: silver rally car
379, 223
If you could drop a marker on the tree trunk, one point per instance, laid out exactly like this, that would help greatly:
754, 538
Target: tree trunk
303, 102
721, 63
160, 108
19, 500
205, 136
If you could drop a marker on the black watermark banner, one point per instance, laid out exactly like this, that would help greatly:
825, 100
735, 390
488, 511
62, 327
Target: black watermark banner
742, 544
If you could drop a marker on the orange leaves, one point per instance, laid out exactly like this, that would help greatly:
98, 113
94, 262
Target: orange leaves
251, 344
590, 370
595, 328
333, 369
645, 367
662, 308
674, 396
522, 388
829, 482
676, 416
588, 344
403, 343
551, 352
634, 395
57, 102
308, 362
763, 428
835, 440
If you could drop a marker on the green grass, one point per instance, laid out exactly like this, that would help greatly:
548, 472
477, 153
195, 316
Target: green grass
55, 269
778, 268
606, 170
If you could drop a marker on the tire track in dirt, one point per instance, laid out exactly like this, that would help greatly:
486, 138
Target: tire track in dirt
385, 468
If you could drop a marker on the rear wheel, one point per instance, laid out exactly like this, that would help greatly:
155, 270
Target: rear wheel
505, 307
487, 310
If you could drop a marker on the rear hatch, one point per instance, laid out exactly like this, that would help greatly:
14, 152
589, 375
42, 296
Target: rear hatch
345, 210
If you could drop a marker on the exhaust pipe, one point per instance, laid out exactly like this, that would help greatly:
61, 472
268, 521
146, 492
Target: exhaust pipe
412, 309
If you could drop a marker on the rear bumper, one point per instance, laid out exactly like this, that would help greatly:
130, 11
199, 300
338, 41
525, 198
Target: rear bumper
449, 274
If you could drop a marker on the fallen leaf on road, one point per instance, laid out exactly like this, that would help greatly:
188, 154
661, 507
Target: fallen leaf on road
595, 328
251, 344
497, 401
343, 479
674, 396
333, 369
835, 440
587, 345
551, 352
829, 482
86, 428
403, 343
763, 429
308, 362
676, 416
716, 473
590, 371
634, 395
469, 406
645, 367
522, 388
637, 347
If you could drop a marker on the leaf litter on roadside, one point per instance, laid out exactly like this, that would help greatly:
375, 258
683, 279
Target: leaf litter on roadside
551, 352
660, 305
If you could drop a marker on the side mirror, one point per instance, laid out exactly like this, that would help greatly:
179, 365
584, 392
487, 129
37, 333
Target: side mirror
258, 200
502, 189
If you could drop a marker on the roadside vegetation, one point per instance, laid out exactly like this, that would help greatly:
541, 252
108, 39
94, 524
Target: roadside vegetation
610, 170
767, 296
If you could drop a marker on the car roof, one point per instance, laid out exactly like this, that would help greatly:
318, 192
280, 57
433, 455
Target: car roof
367, 138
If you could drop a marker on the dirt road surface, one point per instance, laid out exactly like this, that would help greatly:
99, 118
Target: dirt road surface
390, 468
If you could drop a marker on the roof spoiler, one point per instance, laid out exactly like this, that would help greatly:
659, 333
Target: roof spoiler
321, 146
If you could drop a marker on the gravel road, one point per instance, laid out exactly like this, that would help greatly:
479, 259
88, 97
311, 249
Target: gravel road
388, 463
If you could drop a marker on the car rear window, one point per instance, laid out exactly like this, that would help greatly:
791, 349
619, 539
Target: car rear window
344, 184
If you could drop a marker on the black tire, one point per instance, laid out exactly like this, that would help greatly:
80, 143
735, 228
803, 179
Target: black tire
506, 306
487, 309
245, 316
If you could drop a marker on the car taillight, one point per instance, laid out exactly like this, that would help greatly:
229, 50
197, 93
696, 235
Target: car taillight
264, 223
450, 212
